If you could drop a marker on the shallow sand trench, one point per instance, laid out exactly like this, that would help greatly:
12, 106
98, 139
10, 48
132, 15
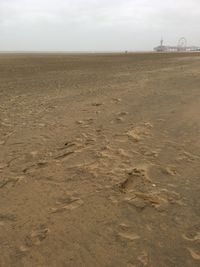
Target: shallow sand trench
100, 160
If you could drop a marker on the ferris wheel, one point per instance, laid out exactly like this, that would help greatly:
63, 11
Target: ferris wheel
182, 43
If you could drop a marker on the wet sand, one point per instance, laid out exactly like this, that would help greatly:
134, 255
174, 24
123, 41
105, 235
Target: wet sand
100, 160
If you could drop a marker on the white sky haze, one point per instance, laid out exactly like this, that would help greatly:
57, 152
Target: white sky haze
96, 25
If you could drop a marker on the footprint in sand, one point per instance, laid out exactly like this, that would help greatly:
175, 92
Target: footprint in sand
137, 202
143, 258
85, 123
63, 155
80, 122
35, 166
67, 145
119, 119
128, 236
148, 152
116, 100
140, 191
10, 182
194, 253
137, 178
69, 148
192, 236
134, 135
67, 203
171, 170
35, 238
139, 132
160, 199
186, 156
97, 104
120, 116
122, 113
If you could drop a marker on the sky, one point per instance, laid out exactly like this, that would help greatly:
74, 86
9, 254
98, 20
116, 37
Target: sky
96, 25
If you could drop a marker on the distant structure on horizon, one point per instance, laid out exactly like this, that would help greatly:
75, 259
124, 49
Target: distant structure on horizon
181, 47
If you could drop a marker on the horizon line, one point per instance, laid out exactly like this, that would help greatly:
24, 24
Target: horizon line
74, 51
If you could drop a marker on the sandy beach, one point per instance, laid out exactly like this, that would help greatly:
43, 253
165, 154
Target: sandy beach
100, 160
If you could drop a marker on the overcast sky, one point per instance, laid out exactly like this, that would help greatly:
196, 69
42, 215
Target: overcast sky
96, 25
